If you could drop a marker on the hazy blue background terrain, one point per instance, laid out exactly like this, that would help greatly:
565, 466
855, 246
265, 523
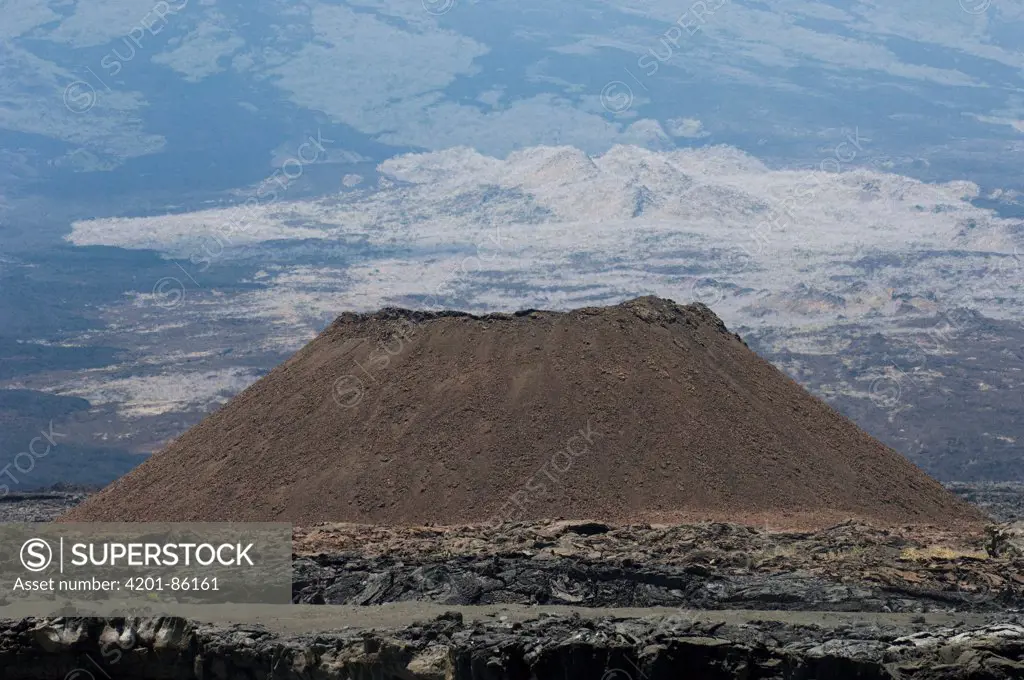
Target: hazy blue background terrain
120, 334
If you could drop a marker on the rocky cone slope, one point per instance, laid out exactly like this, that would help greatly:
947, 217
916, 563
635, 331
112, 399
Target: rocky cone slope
643, 411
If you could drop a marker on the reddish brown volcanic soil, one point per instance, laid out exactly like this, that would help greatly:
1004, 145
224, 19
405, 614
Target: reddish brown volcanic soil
404, 417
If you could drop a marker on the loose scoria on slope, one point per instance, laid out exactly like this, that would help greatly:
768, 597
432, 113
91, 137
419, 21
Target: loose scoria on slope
643, 411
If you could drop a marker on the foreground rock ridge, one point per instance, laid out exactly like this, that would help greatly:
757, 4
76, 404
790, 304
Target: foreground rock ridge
643, 411
709, 566
449, 648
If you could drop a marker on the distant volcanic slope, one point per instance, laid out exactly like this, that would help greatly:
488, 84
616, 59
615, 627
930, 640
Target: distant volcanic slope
643, 411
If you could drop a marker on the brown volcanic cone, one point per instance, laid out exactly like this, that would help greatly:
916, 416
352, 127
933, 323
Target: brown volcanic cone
403, 417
